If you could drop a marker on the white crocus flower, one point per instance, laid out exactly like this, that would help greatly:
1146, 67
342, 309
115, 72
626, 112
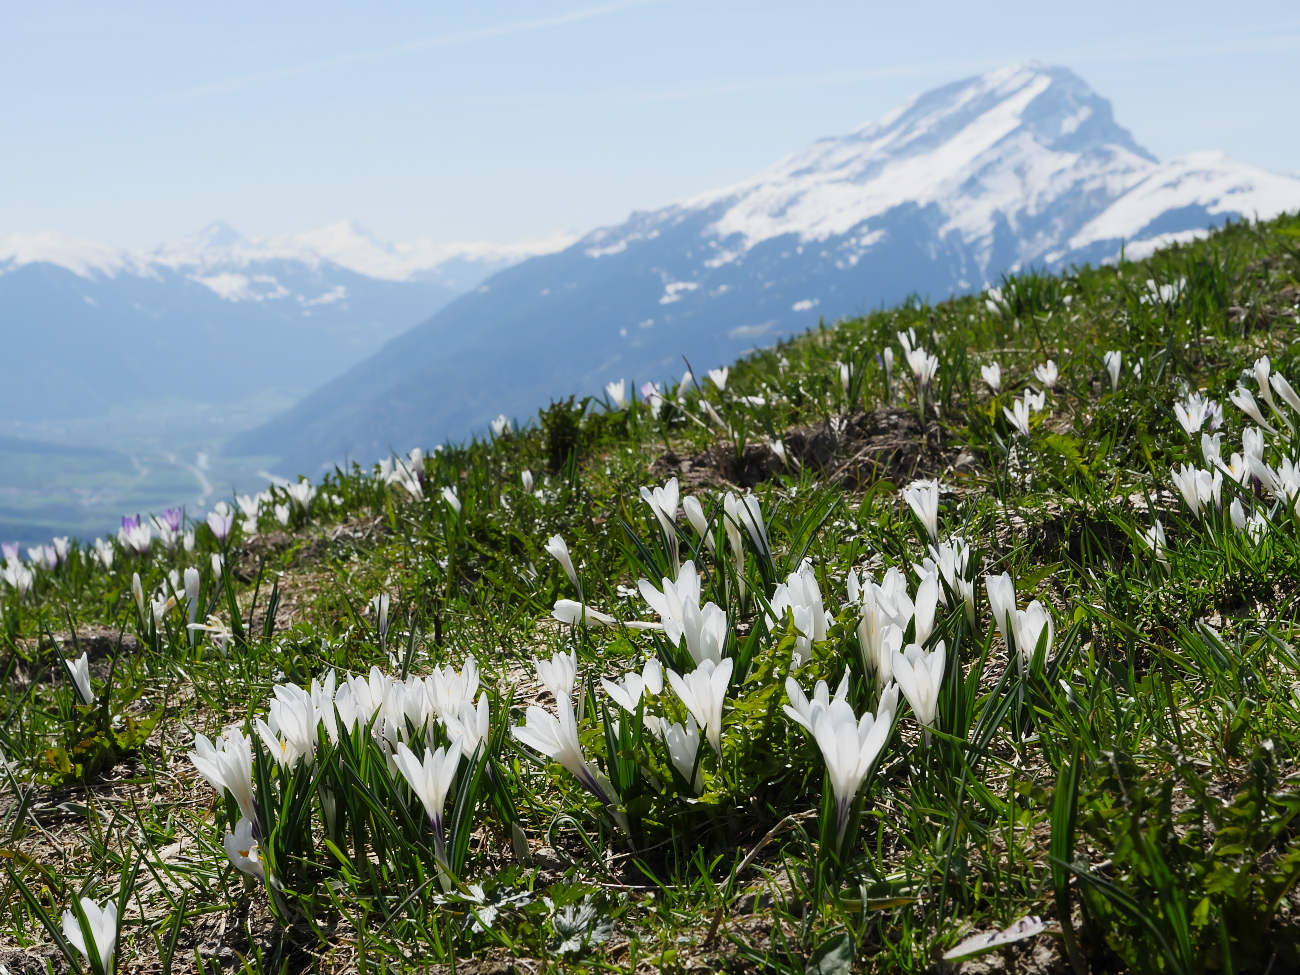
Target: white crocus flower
358, 698
1002, 601
322, 699
244, 851
735, 540
138, 537
228, 767
568, 611
1193, 412
850, 746
663, 502
1019, 416
1238, 467
559, 674
1047, 374
992, 374
137, 591
747, 513
923, 498
448, 689
1211, 448
102, 922
379, 605
627, 693
920, 678
558, 549
719, 378
1199, 488
1114, 362
192, 583
471, 725
18, 577
1285, 483
671, 602
160, 606
1156, 541
431, 780
282, 513
879, 637
526, 480
801, 596
1253, 442
1029, 625
694, 512
803, 709
250, 505
715, 416
704, 691
290, 733
452, 498
1283, 389
617, 392
1237, 514
80, 669
104, 552
924, 368
557, 739
220, 632
951, 561
501, 425
705, 629
801, 589
683, 749
301, 493
1244, 400
1256, 526
683, 386
926, 605
1262, 369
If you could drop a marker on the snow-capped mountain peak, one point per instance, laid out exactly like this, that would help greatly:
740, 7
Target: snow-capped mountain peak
1002, 148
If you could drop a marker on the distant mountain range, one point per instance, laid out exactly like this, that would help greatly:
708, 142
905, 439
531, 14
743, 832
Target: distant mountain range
1024, 166
214, 320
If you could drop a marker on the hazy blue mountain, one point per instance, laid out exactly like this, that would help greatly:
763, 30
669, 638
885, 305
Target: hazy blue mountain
213, 320
1022, 166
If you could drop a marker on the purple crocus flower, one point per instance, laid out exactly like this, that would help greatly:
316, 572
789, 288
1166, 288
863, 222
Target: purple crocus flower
129, 522
173, 517
11, 551
220, 520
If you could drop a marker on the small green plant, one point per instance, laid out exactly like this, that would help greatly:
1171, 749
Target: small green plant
1201, 883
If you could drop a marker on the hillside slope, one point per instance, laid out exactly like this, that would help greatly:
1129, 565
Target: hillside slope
813, 666
1021, 167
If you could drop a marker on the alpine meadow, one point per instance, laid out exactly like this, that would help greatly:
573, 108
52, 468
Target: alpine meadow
955, 637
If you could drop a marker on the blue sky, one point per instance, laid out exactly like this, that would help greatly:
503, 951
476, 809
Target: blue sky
134, 123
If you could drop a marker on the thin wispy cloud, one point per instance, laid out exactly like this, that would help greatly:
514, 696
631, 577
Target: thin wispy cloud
1168, 46
255, 78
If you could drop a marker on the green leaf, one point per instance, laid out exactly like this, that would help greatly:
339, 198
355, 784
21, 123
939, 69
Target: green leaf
834, 957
